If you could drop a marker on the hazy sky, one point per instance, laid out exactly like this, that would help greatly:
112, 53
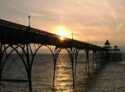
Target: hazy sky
89, 20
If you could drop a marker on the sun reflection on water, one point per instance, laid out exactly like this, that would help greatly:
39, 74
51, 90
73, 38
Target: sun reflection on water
63, 81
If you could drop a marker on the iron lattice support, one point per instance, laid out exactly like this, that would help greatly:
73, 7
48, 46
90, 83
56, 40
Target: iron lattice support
27, 53
73, 54
55, 54
4, 55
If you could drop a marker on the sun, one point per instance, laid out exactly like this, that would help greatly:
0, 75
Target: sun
63, 32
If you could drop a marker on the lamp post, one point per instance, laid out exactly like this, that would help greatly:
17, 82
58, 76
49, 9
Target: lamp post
72, 35
29, 24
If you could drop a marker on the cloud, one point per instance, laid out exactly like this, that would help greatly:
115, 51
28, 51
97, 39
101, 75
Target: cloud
86, 18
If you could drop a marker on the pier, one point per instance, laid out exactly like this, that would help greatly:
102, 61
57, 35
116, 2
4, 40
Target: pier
26, 41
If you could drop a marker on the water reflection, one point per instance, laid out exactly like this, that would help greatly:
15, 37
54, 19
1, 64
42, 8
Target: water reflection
63, 81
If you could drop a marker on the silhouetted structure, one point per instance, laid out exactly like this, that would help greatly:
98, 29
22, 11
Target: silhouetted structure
17, 38
111, 54
114, 52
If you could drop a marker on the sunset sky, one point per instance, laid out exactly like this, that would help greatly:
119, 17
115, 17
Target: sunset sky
90, 20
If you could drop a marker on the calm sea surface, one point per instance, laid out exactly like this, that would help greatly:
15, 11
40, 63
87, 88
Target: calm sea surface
42, 75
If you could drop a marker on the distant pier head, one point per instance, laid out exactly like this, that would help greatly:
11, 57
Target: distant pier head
113, 53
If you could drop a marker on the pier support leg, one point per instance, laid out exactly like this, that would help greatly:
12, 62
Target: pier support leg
0, 70
94, 61
76, 61
73, 54
87, 61
72, 64
73, 72
0, 76
30, 81
55, 53
1, 56
54, 72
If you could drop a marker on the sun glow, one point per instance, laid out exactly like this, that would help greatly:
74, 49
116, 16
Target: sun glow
63, 32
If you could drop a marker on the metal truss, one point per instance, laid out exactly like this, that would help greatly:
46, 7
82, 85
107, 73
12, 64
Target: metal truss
27, 53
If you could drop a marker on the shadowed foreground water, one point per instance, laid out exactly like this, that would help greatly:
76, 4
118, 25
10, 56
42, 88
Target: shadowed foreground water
42, 75
112, 79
